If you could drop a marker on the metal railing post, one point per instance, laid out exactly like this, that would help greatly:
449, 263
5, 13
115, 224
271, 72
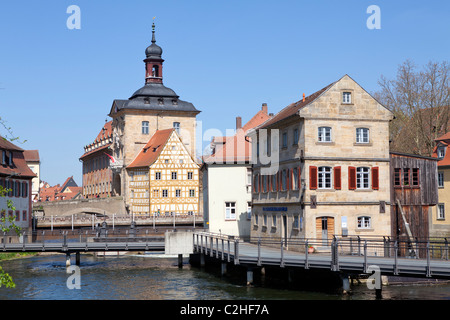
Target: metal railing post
306, 255
259, 252
223, 249
236, 251
428, 260
395, 258
281, 254
229, 249
365, 256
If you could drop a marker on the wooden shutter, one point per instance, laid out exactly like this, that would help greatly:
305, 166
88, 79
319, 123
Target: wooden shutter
337, 178
351, 178
312, 178
375, 178
288, 179
299, 178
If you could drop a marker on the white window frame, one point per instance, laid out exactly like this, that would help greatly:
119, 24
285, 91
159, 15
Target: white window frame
190, 175
174, 175
177, 193
145, 127
441, 152
440, 179
324, 177
158, 175
440, 211
191, 193
324, 134
230, 210
363, 178
362, 135
346, 97
176, 126
364, 222
165, 193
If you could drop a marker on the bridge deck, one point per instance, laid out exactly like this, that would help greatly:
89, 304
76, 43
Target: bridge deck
246, 253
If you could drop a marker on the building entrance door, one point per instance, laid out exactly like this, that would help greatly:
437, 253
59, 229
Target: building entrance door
325, 229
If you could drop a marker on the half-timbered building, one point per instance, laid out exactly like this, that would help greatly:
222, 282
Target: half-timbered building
164, 177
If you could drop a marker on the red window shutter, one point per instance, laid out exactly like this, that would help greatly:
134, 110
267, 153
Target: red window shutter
312, 178
337, 178
351, 178
375, 178
299, 178
278, 181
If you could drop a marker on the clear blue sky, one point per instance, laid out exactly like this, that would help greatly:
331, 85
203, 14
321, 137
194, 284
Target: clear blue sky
226, 57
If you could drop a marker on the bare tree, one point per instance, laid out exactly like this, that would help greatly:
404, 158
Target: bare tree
420, 101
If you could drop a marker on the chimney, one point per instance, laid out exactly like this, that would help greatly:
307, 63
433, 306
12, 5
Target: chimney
264, 108
238, 123
303, 97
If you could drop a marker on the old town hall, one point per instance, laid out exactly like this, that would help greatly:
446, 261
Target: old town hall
150, 109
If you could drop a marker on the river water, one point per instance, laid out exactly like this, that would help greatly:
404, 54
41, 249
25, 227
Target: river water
151, 277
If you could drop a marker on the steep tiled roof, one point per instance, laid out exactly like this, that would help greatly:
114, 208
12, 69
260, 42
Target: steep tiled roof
445, 141
31, 155
105, 132
293, 108
152, 149
237, 148
19, 166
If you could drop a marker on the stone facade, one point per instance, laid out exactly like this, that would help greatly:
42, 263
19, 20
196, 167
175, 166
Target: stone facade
332, 174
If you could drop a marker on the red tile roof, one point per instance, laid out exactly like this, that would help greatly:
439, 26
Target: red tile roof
152, 149
237, 148
19, 166
31, 155
104, 133
293, 108
445, 141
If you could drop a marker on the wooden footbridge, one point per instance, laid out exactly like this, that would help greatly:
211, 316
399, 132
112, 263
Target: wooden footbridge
344, 255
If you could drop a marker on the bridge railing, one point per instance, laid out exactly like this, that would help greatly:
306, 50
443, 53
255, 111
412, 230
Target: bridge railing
375, 246
113, 220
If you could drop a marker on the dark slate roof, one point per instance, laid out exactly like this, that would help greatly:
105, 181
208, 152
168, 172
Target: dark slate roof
154, 96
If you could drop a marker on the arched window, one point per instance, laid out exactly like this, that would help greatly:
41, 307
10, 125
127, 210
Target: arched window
155, 71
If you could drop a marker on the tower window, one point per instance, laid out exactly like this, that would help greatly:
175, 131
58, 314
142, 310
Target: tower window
176, 126
155, 71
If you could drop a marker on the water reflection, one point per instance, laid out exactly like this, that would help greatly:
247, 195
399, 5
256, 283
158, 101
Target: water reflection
144, 278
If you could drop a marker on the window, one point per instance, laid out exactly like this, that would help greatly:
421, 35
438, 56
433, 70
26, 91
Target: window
362, 178
174, 175
230, 210
284, 141
440, 179
265, 220
324, 178
441, 152
284, 180
324, 134
397, 174
441, 211
264, 178
155, 193
364, 223
189, 175
24, 215
296, 224
176, 126
295, 136
346, 97
191, 192
406, 176
249, 212
165, 193
177, 193
295, 179
415, 177
144, 127
362, 135
274, 182
256, 183
256, 219
274, 221
157, 175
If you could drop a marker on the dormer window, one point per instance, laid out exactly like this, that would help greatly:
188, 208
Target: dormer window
441, 152
147, 100
7, 157
160, 101
175, 102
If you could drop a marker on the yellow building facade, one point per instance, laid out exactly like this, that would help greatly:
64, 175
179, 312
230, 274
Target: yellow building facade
164, 177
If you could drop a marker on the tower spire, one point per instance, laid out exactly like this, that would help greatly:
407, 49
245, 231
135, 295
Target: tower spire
153, 31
